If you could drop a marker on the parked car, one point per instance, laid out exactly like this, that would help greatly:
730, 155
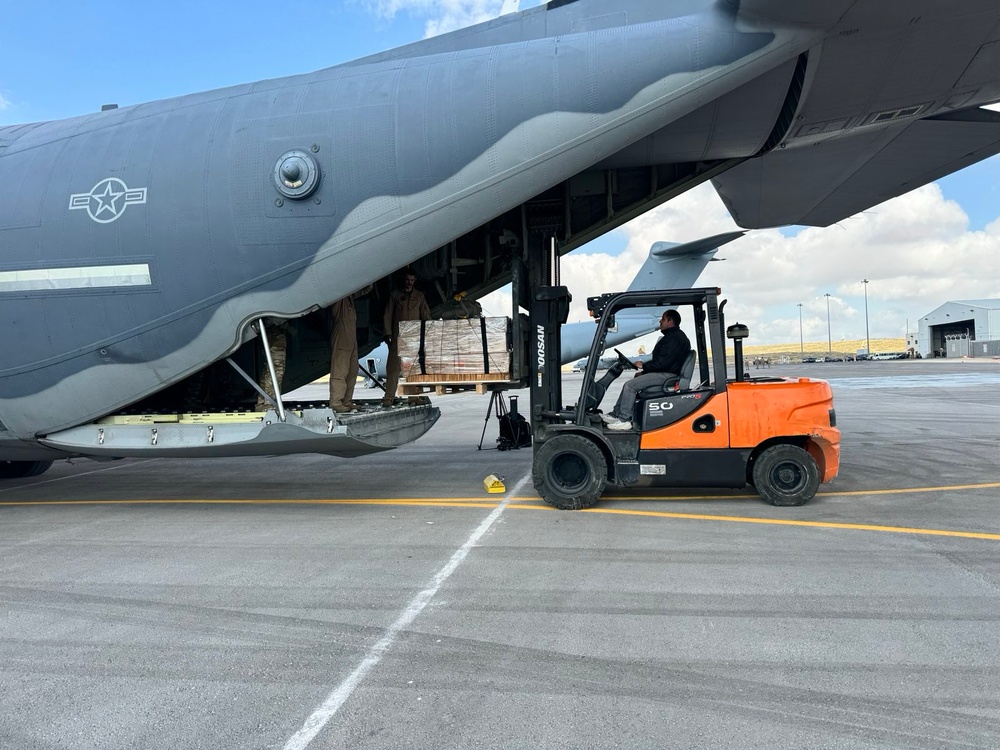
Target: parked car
888, 355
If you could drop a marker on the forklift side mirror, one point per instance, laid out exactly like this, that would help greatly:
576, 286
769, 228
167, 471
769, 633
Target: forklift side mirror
737, 331
612, 324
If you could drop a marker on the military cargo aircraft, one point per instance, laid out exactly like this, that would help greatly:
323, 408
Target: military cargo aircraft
140, 245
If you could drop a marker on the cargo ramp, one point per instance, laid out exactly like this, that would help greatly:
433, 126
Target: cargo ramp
308, 428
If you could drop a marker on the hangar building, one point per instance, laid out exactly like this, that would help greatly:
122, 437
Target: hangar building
965, 328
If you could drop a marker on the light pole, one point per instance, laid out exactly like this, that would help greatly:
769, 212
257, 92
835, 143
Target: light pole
829, 337
801, 350
868, 340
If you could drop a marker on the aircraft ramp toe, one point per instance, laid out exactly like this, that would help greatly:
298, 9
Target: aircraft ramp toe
308, 430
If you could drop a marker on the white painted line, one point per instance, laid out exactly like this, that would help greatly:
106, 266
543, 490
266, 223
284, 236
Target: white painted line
76, 277
326, 711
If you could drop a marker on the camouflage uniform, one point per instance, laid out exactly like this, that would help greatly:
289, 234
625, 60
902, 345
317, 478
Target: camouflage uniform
344, 352
402, 305
276, 336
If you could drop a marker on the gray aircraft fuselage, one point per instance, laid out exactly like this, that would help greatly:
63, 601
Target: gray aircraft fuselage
137, 245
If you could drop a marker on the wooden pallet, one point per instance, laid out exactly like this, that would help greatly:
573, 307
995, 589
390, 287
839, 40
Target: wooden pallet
442, 383
439, 389
459, 377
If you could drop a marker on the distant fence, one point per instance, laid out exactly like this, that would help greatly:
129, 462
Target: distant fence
984, 349
963, 346
957, 346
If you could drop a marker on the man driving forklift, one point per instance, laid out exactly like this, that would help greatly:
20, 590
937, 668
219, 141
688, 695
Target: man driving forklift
698, 428
668, 358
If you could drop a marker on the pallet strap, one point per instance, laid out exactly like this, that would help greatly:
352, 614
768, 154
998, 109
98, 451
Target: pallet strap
486, 348
421, 355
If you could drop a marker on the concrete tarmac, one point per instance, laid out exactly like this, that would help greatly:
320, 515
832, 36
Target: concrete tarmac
390, 602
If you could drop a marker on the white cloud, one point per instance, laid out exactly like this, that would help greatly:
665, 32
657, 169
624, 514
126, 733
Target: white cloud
916, 251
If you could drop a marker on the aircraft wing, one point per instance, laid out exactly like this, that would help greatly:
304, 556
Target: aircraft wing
825, 183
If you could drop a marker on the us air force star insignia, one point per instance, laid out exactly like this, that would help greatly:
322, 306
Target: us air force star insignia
107, 200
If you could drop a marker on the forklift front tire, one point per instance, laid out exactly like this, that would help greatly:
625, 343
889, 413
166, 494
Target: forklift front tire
569, 472
786, 475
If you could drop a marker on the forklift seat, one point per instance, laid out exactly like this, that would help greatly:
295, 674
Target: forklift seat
680, 382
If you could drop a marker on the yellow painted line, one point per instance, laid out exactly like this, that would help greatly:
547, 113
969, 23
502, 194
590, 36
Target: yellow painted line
430, 502
845, 493
947, 488
472, 502
525, 503
789, 522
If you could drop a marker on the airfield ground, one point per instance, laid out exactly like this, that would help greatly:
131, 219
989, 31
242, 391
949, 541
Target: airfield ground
389, 602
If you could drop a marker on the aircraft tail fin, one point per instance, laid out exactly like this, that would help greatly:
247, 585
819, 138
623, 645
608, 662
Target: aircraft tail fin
671, 265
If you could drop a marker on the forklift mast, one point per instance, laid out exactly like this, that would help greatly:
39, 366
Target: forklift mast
549, 312
537, 346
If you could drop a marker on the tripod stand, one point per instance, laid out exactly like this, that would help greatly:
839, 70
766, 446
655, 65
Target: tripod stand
498, 405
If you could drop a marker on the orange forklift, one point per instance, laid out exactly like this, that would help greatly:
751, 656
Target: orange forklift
699, 429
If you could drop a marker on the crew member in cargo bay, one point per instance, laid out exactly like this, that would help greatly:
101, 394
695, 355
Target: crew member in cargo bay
407, 303
277, 336
344, 356
668, 358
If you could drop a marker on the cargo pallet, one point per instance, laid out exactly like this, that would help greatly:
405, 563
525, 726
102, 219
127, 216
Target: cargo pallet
442, 383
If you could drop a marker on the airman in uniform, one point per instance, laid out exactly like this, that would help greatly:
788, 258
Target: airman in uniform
407, 303
344, 352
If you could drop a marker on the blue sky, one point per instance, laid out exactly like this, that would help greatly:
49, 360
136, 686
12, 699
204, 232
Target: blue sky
977, 190
60, 59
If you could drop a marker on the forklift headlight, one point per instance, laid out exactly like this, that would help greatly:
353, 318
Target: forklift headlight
833, 417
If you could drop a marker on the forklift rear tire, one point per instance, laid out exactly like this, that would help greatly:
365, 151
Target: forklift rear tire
786, 475
569, 472
23, 469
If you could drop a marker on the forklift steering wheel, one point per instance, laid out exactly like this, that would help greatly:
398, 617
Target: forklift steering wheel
627, 363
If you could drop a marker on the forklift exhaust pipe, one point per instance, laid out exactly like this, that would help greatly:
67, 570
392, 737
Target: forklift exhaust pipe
737, 332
